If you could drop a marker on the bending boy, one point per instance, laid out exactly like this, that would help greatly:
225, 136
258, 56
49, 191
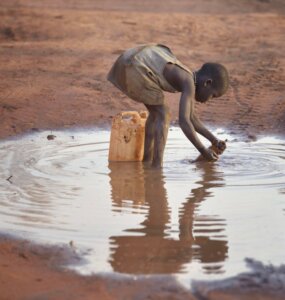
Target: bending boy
145, 72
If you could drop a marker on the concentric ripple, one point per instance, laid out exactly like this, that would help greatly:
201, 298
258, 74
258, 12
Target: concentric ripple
193, 219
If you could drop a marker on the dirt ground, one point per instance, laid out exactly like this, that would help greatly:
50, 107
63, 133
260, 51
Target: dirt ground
54, 57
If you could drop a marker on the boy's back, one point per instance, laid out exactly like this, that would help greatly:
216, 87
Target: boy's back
138, 73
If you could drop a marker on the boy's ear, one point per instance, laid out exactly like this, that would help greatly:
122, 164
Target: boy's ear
208, 82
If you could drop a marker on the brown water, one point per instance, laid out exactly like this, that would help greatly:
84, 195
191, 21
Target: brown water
194, 220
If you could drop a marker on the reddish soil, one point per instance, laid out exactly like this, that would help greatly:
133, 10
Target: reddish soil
28, 272
31, 272
54, 56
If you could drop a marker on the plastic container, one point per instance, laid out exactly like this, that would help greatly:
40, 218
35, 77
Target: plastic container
127, 136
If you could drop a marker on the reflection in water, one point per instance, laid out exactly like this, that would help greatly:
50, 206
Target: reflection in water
150, 249
212, 247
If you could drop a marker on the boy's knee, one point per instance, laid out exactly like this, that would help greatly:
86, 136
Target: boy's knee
166, 116
164, 113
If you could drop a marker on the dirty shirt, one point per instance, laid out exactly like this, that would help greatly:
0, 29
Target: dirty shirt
138, 73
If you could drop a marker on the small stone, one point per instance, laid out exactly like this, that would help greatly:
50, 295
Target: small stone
51, 137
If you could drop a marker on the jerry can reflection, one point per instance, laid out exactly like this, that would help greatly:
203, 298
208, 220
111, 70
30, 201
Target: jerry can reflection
127, 136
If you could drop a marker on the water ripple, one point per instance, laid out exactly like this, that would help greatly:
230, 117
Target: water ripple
200, 218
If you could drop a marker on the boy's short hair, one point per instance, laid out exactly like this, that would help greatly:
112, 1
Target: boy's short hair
218, 74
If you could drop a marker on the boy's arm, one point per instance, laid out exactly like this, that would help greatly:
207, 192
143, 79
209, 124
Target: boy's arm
182, 82
186, 123
200, 128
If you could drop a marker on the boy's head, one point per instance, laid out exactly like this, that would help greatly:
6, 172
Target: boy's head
212, 81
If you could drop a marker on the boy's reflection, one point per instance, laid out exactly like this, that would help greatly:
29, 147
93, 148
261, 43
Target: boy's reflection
155, 251
208, 230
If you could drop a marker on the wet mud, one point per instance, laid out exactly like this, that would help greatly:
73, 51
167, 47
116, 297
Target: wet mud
266, 279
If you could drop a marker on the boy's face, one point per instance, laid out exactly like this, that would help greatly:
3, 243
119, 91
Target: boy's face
206, 91
203, 94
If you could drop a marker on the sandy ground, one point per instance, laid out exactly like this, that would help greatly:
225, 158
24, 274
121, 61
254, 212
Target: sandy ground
54, 56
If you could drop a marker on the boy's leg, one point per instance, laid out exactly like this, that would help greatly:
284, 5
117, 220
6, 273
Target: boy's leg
160, 133
149, 134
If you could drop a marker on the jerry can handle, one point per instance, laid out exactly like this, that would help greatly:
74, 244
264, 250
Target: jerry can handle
131, 114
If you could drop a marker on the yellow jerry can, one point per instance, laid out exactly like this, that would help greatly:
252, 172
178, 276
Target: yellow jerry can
127, 136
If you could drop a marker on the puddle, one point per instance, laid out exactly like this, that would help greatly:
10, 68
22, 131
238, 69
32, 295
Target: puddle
193, 220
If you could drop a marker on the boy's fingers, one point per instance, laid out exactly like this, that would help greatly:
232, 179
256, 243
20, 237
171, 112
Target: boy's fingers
214, 155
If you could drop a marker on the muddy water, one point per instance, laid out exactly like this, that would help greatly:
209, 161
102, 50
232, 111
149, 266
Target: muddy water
196, 220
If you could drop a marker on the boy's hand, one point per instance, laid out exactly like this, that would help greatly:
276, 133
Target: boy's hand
219, 146
209, 154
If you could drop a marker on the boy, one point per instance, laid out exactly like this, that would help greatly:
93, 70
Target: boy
144, 72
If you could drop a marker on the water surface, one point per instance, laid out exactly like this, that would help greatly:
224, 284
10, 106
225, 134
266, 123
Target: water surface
195, 220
